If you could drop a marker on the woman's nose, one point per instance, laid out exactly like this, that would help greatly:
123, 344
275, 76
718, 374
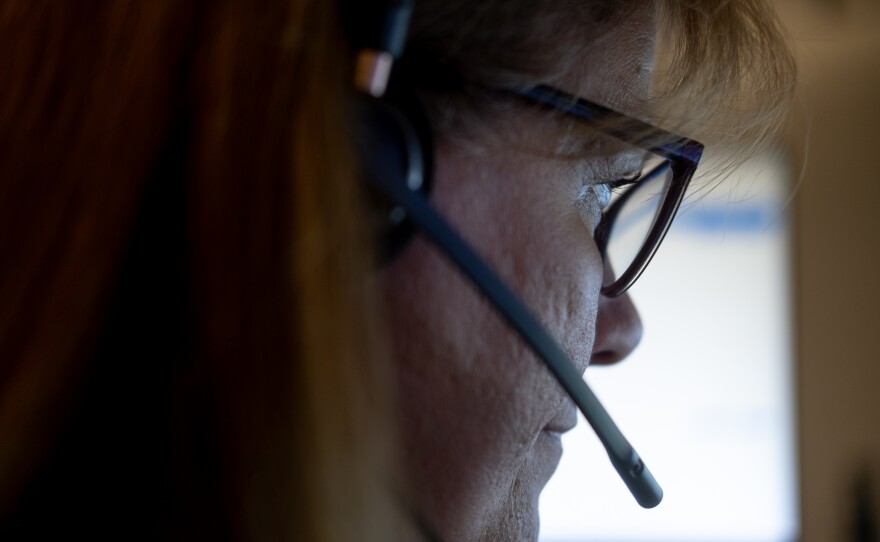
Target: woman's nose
618, 330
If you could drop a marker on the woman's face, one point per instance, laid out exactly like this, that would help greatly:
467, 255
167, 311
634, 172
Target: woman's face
481, 415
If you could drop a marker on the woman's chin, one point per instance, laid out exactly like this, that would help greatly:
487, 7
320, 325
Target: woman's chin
517, 520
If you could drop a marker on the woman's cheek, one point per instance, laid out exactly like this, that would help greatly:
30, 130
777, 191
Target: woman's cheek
577, 278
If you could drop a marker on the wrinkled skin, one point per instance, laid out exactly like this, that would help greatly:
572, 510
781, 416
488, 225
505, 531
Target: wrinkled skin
481, 415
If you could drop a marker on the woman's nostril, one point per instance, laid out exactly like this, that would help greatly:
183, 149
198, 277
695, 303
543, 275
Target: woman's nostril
618, 330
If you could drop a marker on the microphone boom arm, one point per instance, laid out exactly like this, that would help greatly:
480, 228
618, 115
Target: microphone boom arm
626, 461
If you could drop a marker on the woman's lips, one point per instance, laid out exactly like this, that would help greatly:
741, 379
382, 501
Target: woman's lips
547, 451
564, 421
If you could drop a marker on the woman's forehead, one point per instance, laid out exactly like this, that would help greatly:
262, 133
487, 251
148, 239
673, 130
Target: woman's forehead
616, 68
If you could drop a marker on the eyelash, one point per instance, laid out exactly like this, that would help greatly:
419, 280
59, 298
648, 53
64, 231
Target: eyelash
617, 186
604, 191
623, 182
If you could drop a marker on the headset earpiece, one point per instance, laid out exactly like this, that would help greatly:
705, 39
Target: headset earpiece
392, 134
394, 143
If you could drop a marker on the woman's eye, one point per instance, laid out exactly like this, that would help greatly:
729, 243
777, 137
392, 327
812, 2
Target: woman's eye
595, 197
591, 203
602, 192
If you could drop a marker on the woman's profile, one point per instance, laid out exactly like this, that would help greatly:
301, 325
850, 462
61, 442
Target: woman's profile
198, 336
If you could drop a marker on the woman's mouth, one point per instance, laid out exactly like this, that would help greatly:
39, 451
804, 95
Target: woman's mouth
564, 421
549, 443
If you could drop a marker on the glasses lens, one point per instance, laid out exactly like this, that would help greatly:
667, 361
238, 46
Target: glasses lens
636, 209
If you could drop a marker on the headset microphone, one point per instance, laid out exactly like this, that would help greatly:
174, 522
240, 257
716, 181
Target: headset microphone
396, 157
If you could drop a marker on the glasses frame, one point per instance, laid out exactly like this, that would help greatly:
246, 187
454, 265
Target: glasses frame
683, 155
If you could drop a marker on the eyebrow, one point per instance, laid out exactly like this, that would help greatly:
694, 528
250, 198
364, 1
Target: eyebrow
582, 138
619, 126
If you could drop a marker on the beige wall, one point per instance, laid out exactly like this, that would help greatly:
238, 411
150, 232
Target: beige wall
837, 258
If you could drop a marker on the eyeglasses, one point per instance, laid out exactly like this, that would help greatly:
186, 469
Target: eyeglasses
641, 208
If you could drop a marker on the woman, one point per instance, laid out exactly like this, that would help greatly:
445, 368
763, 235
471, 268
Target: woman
189, 347
527, 188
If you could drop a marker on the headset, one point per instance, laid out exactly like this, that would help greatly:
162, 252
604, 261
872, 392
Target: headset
396, 151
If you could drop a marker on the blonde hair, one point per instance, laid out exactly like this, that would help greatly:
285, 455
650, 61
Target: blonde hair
727, 73
724, 72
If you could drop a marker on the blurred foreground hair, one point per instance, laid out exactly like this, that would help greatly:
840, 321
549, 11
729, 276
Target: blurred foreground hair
183, 347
